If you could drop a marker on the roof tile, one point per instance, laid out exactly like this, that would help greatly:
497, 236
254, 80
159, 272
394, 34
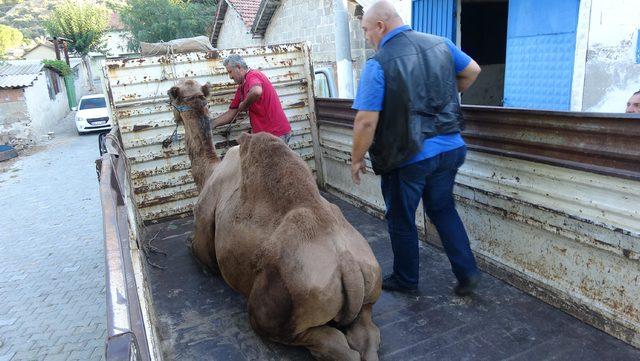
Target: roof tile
247, 10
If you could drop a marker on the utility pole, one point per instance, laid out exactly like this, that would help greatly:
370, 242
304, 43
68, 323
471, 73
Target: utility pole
343, 50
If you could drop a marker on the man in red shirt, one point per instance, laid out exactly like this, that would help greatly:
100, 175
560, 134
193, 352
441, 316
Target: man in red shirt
257, 95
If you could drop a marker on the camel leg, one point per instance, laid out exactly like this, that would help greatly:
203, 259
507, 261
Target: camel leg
203, 245
364, 336
327, 343
271, 309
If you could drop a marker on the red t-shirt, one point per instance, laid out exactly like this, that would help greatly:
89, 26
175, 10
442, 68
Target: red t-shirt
266, 113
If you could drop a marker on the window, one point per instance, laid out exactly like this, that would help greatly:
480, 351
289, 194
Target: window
53, 84
92, 103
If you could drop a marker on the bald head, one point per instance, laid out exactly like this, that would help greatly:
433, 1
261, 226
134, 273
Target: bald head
383, 10
380, 19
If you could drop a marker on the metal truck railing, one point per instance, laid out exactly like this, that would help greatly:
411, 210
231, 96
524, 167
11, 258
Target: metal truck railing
126, 337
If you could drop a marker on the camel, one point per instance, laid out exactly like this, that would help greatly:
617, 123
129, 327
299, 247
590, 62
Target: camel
309, 277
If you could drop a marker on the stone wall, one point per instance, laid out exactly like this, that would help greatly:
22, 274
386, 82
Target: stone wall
14, 117
296, 21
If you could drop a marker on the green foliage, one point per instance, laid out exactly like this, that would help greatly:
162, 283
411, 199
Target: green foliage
82, 22
9, 38
163, 20
6, 5
27, 16
58, 66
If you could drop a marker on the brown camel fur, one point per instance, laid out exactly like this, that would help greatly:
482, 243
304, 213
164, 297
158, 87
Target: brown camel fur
310, 278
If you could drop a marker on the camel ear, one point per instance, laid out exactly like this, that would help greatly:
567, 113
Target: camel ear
205, 89
174, 92
244, 138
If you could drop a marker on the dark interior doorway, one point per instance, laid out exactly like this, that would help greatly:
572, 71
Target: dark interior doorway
483, 31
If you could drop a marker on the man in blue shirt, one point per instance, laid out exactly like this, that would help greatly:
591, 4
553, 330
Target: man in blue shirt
409, 119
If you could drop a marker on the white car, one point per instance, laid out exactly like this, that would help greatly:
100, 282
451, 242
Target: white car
92, 114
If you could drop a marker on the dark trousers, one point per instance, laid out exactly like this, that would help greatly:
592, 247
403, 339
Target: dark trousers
432, 180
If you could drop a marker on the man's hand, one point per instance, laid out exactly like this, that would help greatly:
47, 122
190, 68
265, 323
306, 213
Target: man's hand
225, 118
357, 167
364, 128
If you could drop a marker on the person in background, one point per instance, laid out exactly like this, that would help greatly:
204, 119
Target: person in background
409, 119
633, 104
256, 95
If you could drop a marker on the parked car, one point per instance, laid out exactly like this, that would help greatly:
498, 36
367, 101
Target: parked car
92, 114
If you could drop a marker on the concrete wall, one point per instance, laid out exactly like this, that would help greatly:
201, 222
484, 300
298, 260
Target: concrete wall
116, 42
45, 114
42, 52
295, 21
612, 73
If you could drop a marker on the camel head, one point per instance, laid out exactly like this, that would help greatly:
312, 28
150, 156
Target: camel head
189, 102
189, 96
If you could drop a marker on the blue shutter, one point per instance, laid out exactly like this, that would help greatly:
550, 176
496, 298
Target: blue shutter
435, 17
541, 42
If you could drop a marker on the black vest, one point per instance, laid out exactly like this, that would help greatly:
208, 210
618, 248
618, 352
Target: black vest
420, 99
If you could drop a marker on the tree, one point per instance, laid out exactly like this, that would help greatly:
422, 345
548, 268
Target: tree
163, 20
9, 38
84, 24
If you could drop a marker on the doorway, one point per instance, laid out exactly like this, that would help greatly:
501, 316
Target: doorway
483, 36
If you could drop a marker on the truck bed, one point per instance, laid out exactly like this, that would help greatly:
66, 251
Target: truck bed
201, 318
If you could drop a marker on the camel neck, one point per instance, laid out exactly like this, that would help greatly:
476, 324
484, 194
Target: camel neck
199, 146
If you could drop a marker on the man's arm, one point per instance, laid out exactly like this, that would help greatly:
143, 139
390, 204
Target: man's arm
254, 94
225, 118
467, 76
364, 128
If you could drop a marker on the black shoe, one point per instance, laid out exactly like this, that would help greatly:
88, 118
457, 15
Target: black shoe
390, 283
466, 287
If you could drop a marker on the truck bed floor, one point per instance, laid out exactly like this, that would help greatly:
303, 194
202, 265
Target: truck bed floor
201, 318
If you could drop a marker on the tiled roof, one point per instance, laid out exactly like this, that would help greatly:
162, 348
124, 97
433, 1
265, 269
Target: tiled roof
247, 10
19, 74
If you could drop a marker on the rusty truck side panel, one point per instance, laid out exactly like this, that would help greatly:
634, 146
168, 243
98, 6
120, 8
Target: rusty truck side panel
161, 180
551, 201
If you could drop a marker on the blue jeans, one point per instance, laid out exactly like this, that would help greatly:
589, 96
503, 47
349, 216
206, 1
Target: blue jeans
432, 181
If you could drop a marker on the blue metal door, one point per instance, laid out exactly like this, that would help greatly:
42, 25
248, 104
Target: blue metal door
436, 17
541, 42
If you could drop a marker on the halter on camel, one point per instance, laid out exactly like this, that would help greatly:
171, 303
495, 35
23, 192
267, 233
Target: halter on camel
183, 108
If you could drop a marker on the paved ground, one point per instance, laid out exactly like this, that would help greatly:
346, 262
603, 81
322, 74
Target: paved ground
51, 253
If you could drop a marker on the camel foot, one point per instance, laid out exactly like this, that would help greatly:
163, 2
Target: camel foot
208, 269
363, 335
327, 344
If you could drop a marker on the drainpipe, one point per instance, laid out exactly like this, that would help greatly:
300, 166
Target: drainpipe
343, 50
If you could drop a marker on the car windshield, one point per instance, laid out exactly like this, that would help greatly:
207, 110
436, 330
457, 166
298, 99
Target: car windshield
93, 103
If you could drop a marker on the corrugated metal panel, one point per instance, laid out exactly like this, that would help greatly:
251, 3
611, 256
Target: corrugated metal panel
570, 237
18, 74
435, 17
161, 178
541, 41
594, 142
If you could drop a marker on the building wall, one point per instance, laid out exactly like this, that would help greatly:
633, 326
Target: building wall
14, 117
44, 113
295, 21
612, 70
116, 42
42, 52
